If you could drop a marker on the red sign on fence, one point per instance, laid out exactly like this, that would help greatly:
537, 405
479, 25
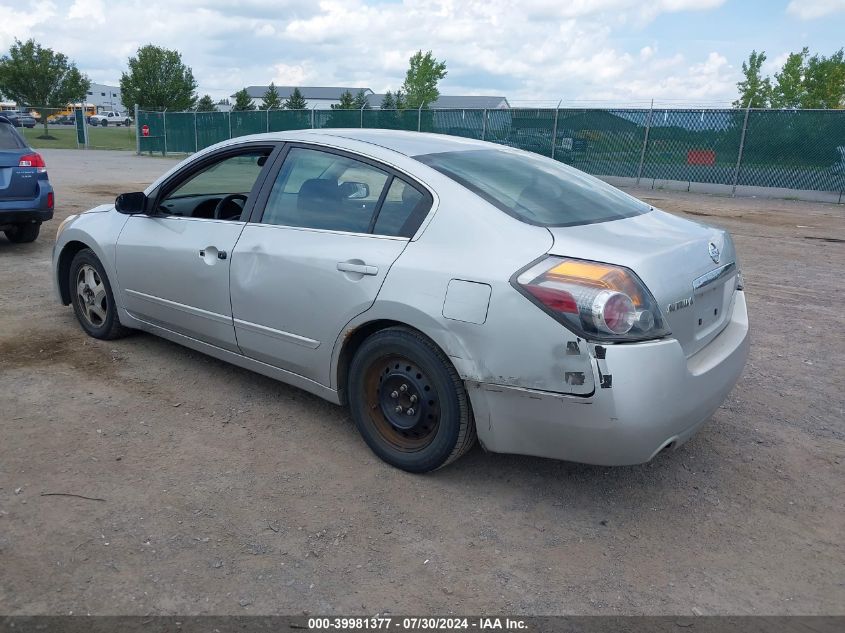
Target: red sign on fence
145, 130
701, 157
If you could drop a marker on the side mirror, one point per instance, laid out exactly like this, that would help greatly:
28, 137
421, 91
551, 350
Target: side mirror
131, 203
355, 190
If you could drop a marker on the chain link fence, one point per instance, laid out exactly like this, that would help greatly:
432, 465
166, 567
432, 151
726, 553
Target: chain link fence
793, 149
64, 130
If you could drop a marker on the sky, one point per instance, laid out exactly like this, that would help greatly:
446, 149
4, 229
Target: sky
590, 52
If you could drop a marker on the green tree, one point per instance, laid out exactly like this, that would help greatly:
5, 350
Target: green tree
824, 81
788, 91
401, 101
754, 91
347, 102
243, 101
424, 73
206, 104
296, 101
37, 76
157, 79
388, 102
224, 102
272, 99
361, 102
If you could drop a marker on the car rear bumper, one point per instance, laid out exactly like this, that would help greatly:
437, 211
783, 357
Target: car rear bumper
33, 210
17, 216
657, 399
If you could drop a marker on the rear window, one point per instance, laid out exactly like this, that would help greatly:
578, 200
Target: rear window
534, 189
9, 138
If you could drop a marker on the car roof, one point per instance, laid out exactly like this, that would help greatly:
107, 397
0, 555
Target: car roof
407, 143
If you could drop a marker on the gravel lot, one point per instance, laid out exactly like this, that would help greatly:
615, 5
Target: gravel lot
225, 492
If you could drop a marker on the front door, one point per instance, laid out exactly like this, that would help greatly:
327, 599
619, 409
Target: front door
331, 228
173, 264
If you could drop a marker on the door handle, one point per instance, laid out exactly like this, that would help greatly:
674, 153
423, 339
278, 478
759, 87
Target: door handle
361, 269
220, 254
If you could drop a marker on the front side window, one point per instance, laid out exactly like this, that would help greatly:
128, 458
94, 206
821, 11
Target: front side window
534, 189
218, 191
321, 190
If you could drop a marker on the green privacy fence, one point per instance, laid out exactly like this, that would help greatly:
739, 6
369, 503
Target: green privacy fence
794, 149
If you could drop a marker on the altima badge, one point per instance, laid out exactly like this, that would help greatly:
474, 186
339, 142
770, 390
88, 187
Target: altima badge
680, 305
714, 252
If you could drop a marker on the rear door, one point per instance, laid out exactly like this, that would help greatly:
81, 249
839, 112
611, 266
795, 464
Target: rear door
16, 183
326, 230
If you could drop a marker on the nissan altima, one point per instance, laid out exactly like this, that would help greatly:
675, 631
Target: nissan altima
444, 288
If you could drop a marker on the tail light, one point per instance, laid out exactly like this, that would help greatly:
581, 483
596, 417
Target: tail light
33, 160
597, 301
51, 201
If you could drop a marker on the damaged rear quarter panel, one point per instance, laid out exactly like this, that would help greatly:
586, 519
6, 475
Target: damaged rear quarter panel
518, 344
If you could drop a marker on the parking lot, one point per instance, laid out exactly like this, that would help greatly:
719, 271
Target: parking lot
213, 490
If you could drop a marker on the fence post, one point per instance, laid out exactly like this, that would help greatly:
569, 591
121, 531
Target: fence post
137, 131
419, 118
230, 124
196, 134
164, 127
362, 115
741, 147
554, 128
484, 124
312, 115
645, 142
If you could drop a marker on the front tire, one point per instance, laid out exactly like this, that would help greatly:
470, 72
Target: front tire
104, 123
408, 402
23, 233
92, 298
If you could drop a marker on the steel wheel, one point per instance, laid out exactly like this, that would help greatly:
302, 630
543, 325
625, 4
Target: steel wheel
408, 402
403, 405
91, 293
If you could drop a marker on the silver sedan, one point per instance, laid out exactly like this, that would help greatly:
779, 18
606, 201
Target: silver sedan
446, 289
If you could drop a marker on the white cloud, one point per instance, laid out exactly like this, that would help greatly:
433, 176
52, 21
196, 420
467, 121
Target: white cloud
88, 10
535, 49
812, 9
20, 21
292, 74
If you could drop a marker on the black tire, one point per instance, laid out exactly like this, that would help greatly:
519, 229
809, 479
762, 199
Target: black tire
104, 123
23, 233
443, 425
106, 325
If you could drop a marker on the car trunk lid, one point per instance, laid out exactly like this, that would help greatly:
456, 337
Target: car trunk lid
17, 183
692, 282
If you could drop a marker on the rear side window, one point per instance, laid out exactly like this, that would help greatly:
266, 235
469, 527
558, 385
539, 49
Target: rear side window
321, 190
403, 210
9, 138
534, 189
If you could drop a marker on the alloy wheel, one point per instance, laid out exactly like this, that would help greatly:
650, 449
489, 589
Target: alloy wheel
91, 295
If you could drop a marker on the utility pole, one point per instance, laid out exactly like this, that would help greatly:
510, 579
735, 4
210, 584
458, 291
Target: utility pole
741, 147
554, 128
645, 142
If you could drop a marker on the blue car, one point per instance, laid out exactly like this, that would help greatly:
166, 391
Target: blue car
26, 196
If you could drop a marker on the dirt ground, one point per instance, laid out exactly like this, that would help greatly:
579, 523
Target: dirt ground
224, 492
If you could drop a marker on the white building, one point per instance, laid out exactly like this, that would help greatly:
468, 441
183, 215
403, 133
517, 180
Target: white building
318, 97
104, 97
323, 97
